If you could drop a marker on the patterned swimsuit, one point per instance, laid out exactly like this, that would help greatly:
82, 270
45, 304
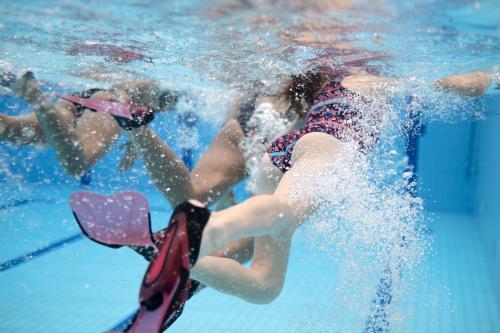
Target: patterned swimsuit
332, 112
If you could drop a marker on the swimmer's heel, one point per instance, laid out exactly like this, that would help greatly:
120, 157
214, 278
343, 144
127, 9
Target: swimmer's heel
114, 220
140, 116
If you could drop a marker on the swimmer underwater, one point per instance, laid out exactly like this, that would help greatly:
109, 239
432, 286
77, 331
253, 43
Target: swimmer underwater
79, 137
181, 253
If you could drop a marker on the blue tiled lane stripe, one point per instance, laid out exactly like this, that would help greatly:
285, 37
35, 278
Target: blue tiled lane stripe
20, 202
40, 252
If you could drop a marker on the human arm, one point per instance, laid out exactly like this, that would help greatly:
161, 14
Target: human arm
472, 84
166, 170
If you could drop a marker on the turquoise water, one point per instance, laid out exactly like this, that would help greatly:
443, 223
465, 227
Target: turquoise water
88, 288
54, 280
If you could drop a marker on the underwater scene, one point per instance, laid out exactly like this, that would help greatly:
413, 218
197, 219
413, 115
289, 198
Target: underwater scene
249, 166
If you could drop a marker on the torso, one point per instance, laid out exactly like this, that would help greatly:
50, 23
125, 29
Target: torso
335, 111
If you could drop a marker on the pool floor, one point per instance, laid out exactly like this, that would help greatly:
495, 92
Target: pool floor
80, 286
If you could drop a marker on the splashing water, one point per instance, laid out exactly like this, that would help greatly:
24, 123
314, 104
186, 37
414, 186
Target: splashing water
369, 220
268, 124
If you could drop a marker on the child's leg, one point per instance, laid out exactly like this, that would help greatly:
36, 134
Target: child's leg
260, 283
272, 219
21, 130
273, 215
220, 167
77, 148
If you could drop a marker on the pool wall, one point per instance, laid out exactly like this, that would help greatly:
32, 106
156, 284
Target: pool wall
487, 192
459, 167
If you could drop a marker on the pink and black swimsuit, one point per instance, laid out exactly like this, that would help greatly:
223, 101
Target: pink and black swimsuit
333, 113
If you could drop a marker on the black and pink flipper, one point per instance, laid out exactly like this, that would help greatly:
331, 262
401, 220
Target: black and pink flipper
128, 116
114, 108
121, 219
166, 284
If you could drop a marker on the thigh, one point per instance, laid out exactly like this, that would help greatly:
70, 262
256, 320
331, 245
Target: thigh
97, 132
311, 154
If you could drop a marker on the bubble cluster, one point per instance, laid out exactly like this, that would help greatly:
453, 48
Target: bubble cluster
267, 124
369, 219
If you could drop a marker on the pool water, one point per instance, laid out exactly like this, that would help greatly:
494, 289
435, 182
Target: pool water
84, 287
52, 279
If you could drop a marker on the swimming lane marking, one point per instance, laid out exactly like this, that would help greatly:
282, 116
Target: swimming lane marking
21, 202
39, 252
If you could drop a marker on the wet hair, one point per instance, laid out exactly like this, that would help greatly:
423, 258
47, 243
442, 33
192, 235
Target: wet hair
167, 100
303, 87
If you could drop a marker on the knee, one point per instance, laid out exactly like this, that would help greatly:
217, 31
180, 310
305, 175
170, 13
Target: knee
266, 292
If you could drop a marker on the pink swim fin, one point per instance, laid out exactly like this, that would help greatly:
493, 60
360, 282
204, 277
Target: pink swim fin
127, 116
166, 284
114, 220
114, 108
123, 219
